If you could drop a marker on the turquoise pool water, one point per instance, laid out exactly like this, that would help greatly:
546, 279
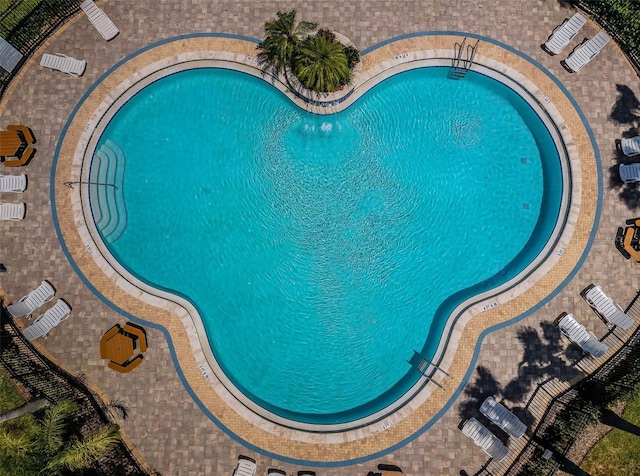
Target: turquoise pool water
321, 251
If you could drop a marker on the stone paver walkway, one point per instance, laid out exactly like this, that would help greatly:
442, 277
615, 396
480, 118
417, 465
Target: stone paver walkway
166, 427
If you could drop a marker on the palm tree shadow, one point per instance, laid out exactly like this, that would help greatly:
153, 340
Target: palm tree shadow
626, 109
483, 386
542, 359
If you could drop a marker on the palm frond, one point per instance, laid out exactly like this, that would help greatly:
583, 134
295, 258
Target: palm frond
82, 453
54, 424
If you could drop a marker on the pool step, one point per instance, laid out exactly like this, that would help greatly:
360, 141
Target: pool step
106, 190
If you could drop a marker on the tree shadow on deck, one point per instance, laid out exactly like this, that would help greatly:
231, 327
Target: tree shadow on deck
541, 360
625, 111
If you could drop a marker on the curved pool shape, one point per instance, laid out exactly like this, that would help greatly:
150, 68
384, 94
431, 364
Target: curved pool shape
323, 252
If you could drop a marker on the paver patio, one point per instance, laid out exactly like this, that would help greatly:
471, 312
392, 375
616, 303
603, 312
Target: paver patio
166, 427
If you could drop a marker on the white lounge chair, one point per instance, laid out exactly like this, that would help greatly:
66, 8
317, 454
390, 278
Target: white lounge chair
605, 307
100, 20
578, 334
13, 183
486, 440
563, 34
65, 64
630, 173
246, 466
631, 146
12, 211
32, 301
585, 52
47, 321
502, 417
276, 472
9, 56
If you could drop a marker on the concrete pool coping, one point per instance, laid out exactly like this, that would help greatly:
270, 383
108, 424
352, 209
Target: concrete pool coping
311, 446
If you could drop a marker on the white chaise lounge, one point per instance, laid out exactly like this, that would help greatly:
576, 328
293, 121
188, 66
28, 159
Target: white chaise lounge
13, 183
563, 34
486, 440
502, 417
65, 64
9, 56
585, 52
276, 472
631, 146
578, 334
47, 321
12, 211
100, 20
605, 307
246, 466
630, 173
32, 301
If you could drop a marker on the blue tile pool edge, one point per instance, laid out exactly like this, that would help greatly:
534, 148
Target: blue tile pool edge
483, 334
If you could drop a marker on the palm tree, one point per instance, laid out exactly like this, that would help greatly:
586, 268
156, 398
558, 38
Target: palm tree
320, 63
42, 445
282, 36
81, 453
29, 407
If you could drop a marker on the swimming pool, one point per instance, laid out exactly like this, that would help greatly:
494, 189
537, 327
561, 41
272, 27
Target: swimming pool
308, 220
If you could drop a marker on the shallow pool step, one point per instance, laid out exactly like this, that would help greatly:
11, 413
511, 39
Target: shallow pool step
106, 190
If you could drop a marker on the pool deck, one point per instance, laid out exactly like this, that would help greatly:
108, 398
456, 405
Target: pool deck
166, 428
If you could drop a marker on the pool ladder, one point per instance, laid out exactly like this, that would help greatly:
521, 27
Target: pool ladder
421, 364
463, 58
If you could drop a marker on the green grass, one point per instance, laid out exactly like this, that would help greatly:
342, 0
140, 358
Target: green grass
619, 451
17, 14
9, 396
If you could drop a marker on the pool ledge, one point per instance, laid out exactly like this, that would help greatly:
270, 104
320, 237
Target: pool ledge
192, 355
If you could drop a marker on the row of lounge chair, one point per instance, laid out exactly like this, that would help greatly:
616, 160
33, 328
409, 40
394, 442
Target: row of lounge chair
606, 309
247, 467
499, 415
76, 67
629, 173
33, 301
584, 52
12, 184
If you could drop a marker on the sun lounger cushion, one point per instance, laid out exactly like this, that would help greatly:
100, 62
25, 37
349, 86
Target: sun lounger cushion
605, 307
631, 146
578, 334
13, 183
502, 417
563, 35
47, 321
584, 53
12, 211
486, 440
63, 63
100, 20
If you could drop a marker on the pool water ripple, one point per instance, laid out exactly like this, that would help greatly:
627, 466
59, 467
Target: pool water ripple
319, 250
